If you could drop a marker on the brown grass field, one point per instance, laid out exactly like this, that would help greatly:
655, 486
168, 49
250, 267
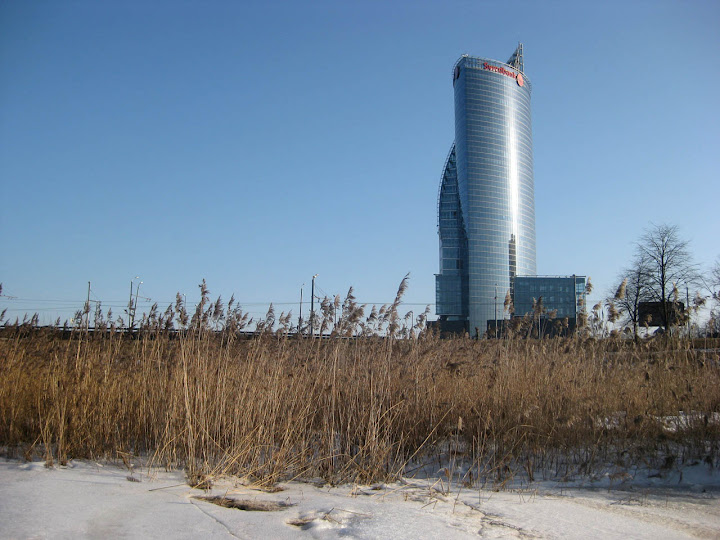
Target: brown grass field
275, 406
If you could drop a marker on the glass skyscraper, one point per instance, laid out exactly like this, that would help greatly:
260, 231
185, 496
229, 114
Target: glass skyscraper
486, 207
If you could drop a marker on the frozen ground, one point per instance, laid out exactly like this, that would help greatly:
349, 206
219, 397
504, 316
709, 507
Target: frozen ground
92, 500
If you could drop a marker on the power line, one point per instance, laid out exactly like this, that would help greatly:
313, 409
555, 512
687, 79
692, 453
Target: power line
49, 305
120, 304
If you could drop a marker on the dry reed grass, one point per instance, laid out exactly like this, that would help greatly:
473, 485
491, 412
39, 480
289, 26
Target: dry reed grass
278, 406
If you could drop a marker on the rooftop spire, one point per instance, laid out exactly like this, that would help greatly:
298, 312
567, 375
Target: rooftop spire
516, 60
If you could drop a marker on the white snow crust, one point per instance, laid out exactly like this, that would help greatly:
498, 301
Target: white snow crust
103, 500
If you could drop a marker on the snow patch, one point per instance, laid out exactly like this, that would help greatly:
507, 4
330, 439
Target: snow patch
96, 500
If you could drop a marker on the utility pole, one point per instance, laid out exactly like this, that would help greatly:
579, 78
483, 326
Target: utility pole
301, 300
87, 310
137, 291
129, 309
312, 307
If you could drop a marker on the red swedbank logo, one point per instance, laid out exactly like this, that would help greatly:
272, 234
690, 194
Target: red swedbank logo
497, 69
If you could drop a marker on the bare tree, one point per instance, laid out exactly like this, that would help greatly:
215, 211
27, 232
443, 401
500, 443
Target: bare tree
670, 268
715, 280
630, 292
713, 325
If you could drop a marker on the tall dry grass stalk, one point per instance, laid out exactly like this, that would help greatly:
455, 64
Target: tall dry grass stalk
277, 406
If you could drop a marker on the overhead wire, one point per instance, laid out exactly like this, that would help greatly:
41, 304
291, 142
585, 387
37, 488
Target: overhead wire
40, 305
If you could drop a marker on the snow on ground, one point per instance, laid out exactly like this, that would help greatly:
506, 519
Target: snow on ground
94, 500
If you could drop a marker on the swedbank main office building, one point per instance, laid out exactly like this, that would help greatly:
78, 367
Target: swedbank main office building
486, 208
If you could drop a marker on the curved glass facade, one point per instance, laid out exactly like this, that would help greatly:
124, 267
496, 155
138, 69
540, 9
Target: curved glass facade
490, 169
451, 285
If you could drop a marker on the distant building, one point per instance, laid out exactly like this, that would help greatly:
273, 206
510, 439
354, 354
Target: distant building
654, 313
486, 205
550, 298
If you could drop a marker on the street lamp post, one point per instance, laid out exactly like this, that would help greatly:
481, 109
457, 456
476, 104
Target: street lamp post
312, 307
137, 291
131, 309
134, 310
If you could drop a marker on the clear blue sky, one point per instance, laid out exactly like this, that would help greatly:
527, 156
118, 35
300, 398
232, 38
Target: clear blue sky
255, 144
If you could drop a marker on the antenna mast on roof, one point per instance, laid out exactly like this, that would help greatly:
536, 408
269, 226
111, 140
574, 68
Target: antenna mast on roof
516, 60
